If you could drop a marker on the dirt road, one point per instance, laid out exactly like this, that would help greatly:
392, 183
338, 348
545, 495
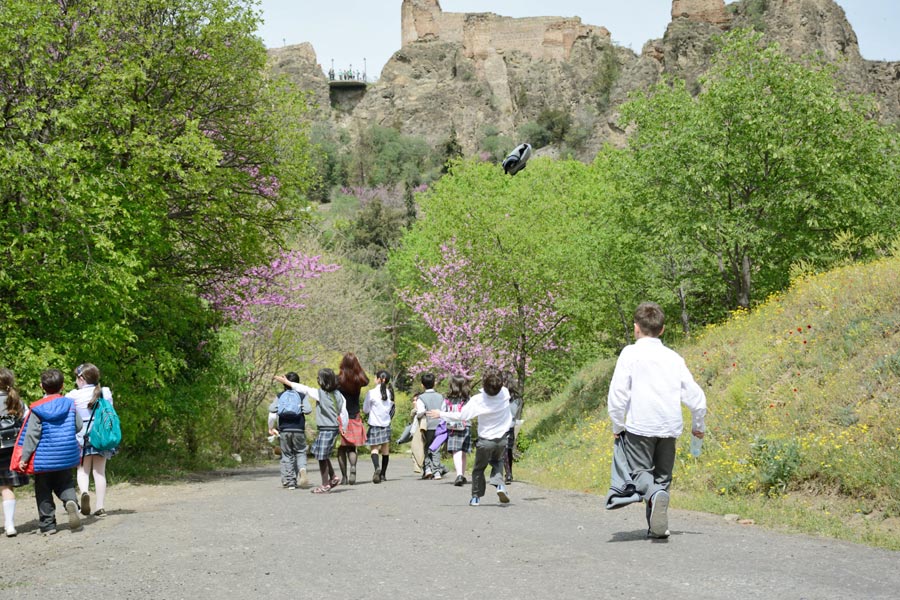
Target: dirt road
240, 535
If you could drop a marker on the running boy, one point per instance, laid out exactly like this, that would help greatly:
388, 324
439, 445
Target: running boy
491, 408
648, 386
50, 451
287, 418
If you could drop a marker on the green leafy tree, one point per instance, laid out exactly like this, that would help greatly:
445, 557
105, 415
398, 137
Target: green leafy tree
769, 163
143, 157
543, 233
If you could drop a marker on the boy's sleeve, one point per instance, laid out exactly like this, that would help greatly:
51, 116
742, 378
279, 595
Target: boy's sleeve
32, 437
619, 395
79, 422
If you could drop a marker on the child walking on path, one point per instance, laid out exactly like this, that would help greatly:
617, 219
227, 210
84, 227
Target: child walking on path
648, 386
491, 408
427, 401
12, 412
351, 379
287, 418
331, 417
459, 434
379, 406
50, 450
93, 461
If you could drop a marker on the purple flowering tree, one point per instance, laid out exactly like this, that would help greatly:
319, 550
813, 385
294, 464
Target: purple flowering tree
478, 322
262, 306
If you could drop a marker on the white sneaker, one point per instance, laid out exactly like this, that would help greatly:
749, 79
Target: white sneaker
437, 475
659, 515
501, 493
11, 531
74, 519
304, 480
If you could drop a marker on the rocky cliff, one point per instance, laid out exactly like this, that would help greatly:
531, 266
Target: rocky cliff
469, 72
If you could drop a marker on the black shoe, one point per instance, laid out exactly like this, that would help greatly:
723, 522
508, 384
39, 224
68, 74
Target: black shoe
508, 478
460, 480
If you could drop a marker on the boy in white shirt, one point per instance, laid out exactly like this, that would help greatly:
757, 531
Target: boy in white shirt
648, 386
491, 408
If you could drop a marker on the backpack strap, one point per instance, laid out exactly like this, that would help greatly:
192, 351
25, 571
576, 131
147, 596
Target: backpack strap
88, 428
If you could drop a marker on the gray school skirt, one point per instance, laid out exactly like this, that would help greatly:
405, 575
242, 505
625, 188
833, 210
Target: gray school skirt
324, 443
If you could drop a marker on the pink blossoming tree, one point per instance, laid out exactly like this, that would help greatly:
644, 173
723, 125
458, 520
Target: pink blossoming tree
472, 329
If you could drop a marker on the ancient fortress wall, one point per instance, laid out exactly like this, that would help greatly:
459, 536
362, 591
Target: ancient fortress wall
545, 38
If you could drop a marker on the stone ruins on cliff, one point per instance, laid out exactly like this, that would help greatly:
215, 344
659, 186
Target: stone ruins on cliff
475, 73
480, 34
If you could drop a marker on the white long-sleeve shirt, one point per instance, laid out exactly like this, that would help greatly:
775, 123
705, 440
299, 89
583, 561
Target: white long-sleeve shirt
492, 413
379, 410
648, 387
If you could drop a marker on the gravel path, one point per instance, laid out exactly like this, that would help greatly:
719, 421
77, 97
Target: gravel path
240, 533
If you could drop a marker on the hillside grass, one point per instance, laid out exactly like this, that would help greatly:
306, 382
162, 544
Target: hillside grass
804, 413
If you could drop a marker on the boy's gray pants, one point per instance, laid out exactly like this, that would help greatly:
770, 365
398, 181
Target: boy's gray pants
432, 457
651, 460
293, 455
488, 452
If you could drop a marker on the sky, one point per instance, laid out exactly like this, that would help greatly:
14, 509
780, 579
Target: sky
361, 34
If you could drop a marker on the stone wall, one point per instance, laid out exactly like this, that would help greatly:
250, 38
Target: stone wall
482, 34
701, 11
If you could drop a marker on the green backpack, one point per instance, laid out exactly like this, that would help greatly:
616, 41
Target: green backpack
104, 430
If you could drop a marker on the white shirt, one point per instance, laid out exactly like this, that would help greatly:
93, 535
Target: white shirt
648, 387
492, 412
379, 410
82, 397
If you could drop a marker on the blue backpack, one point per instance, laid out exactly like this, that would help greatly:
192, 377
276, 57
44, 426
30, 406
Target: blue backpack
289, 403
104, 429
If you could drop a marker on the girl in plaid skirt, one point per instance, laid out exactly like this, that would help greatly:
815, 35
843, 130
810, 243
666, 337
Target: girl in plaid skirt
459, 434
379, 406
11, 410
331, 418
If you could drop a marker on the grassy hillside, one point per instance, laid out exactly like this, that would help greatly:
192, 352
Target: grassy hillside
804, 421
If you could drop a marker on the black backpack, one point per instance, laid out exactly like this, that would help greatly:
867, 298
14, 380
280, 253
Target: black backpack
9, 431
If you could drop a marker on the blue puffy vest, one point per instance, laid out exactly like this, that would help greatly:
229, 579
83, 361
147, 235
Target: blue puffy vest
58, 448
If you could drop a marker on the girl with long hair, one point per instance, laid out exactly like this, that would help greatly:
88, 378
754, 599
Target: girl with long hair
379, 406
351, 380
85, 395
459, 434
12, 410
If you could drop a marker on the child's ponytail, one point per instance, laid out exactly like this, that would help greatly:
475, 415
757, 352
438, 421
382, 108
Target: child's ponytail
385, 386
14, 404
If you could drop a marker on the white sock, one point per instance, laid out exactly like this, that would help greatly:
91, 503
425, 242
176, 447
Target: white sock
9, 510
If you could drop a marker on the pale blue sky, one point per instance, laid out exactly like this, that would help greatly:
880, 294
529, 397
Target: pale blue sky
351, 31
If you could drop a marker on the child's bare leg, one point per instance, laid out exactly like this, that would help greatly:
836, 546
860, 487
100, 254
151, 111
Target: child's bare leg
99, 472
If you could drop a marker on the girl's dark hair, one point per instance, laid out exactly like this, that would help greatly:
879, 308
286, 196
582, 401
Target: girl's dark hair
459, 388
385, 386
91, 375
352, 377
14, 404
327, 380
